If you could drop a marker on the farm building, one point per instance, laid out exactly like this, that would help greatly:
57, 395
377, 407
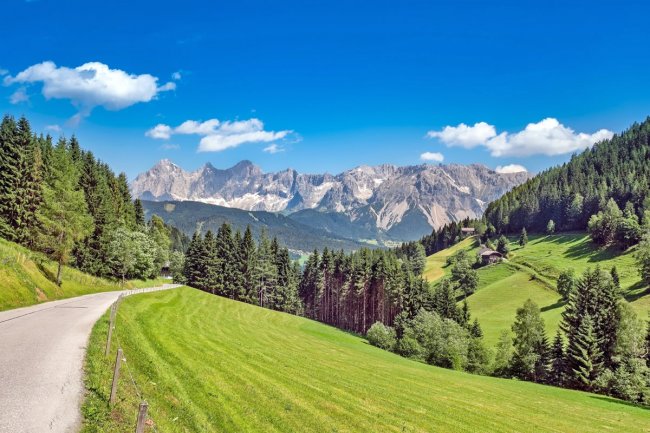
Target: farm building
467, 231
489, 256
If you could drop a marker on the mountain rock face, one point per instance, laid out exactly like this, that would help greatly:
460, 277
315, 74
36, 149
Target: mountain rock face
382, 201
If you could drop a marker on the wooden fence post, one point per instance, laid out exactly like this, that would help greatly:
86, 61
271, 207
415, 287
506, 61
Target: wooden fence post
142, 417
116, 376
111, 325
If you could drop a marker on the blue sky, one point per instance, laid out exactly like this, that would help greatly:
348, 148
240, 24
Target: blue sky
329, 84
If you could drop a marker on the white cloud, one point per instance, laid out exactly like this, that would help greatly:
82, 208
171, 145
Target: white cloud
464, 135
160, 131
511, 168
273, 148
54, 128
169, 146
432, 156
199, 128
177, 75
547, 137
19, 96
218, 136
91, 85
3, 72
219, 142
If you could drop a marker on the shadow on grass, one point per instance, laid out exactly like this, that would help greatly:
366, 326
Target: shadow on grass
557, 304
586, 249
583, 249
636, 291
622, 402
40, 264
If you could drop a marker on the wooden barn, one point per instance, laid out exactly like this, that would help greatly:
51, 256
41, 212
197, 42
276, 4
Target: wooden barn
489, 256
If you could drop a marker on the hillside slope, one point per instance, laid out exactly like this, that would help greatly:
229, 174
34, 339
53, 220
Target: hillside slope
209, 364
27, 278
532, 272
189, 216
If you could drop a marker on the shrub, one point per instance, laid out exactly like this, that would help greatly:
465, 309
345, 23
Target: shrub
381, 336
408, 347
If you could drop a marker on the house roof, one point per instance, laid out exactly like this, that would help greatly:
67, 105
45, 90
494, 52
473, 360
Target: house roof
485, 251
468, 229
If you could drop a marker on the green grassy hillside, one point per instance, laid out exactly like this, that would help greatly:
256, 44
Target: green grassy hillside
435, 266
27, 278
209, 364
532, 272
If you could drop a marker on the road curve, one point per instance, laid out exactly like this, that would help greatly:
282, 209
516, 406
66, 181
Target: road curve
42, 349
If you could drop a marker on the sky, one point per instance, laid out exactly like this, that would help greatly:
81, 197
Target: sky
324, 86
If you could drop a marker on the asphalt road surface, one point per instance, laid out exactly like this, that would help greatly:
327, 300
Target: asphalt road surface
42, 350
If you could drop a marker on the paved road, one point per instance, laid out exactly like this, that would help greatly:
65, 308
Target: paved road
41, 357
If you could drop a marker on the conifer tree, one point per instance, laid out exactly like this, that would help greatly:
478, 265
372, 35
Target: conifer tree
63, 216
139, 213
476, 331
503, 246
10, 160
248, 254
265, 272
225, 253
584, 356
209, 263
444, 301
523, 238
557, 372
192, 268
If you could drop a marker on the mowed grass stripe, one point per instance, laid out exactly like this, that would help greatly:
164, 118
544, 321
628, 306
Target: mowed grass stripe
209, 364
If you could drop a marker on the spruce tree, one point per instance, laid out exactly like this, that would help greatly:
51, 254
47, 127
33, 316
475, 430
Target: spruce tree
265, 271
584, 356
248, 254
557, 372
209, 264
191, 269
225, 252
139, 213
523, 238
444, 301
476, 331
10, 160
63, 217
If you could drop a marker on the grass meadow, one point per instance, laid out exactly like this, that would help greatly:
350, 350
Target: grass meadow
209, 364
532, 271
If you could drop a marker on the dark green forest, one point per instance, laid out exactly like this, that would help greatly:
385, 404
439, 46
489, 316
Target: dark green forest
59, 199
570, 194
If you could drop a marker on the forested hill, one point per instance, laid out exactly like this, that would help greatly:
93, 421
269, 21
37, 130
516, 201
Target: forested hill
618, 168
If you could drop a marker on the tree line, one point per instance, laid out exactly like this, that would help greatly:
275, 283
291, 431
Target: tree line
61, 200
235, 266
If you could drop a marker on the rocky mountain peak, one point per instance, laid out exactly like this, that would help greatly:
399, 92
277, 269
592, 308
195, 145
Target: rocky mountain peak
387, 197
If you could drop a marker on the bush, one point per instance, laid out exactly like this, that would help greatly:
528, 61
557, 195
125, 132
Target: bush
381, 336
408, 347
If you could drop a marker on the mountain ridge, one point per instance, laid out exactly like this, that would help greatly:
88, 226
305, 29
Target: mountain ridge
389, 201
